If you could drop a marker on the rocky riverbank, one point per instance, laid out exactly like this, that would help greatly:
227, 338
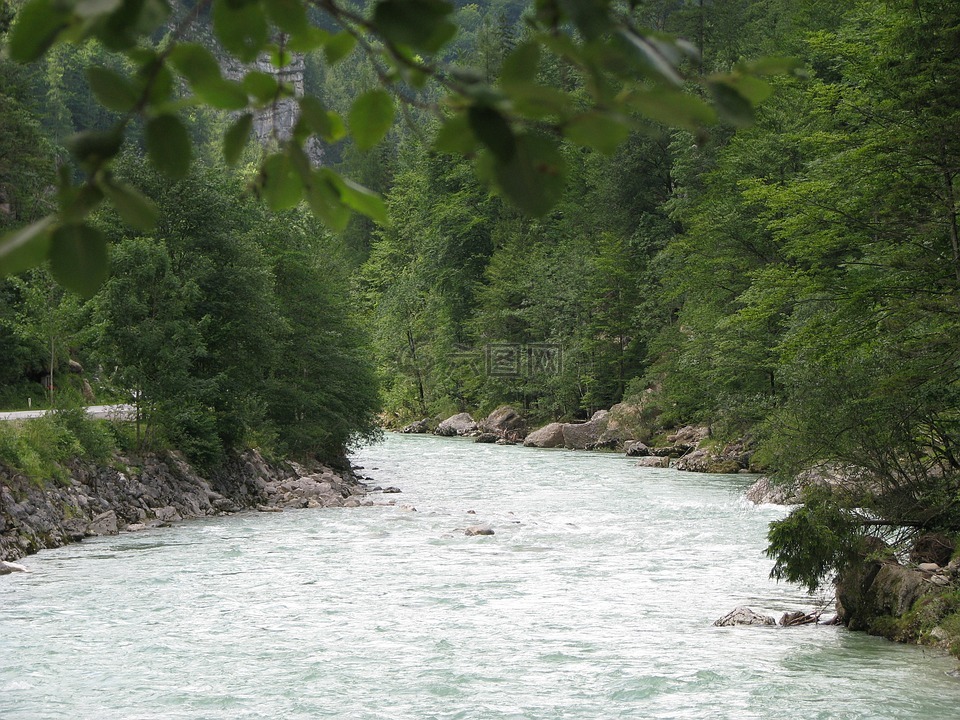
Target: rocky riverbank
625, 428
134, 493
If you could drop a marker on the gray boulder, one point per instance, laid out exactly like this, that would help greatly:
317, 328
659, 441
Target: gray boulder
487, 437
460, 424
549, 436
103, 524
744, 616
11, 567
420, 426
478, 530
635, 448
654, 462
506, 423
580, 436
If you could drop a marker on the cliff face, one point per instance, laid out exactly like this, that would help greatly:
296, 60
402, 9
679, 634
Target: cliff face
275, 122
138, 492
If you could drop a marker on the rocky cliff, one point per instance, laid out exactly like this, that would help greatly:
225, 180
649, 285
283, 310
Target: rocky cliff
137, 492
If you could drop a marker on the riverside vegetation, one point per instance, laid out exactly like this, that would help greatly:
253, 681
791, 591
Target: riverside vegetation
788, 273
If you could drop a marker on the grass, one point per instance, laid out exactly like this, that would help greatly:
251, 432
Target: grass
40, 448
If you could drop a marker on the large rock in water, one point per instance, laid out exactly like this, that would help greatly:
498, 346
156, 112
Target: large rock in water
460, 424
418, 426
103, 524
549, 436
581, 436
505, 422
744, 616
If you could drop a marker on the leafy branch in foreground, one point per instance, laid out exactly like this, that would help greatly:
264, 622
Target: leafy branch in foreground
625, 75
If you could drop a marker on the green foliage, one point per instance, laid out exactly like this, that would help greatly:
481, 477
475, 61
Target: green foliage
40, 448
625, 73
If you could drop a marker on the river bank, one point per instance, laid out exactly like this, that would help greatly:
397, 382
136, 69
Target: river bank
137, 492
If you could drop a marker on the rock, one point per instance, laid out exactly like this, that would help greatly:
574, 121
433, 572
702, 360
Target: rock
478, 530
876, 591
625, 421
744, 616
765, 490
689, 435
707, 461
505, 422
487, 437
928, 567
167, 514
103, 524
420, 426
7, 568
391, 490
504, 441
654, 462
635, 448
460, 424
75, 367
269, 508
549, 436
932, 548
580, 436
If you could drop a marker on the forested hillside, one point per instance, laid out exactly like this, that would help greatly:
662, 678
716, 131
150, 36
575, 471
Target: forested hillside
790, 275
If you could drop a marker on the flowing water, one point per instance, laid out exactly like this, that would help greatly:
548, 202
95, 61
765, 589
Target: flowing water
594, 599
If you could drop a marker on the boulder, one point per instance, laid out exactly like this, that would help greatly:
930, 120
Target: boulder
505, 422
549, 436
706, 461
799, 617
419, 426
478, 530
744, 616
487, 437
878, 591
626, 421
11, 567
103, 524
765, 490
654, 462
580, 436
460, 424
635, 448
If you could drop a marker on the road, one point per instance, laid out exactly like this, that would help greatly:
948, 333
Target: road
102, 412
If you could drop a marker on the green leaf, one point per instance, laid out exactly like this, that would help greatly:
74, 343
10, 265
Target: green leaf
493, 130
732, 106
339, 46
37, 26
309, 38
195, 63
25, 248
371, 118
325, 123
421, 24
598, 131
169, 146
92, 148
649, 55
521, 64
592, 17
112, 89
323, 194
288, 15
772, 66
78, 258
235, 139
364, 201
262, 86
533, 179
222, 94
281, 183
136, 210
241, 29
455, 137
672, 107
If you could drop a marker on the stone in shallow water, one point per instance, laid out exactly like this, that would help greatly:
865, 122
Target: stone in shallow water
744, 616
11, 567
478, 530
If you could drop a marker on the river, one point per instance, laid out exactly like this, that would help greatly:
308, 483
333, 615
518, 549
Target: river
594, 599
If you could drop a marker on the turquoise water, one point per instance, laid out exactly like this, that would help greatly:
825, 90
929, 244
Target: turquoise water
594, 599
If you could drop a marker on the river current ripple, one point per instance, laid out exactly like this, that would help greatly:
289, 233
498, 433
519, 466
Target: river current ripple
594, 599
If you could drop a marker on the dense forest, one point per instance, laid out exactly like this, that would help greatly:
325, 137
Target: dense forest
791, 276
